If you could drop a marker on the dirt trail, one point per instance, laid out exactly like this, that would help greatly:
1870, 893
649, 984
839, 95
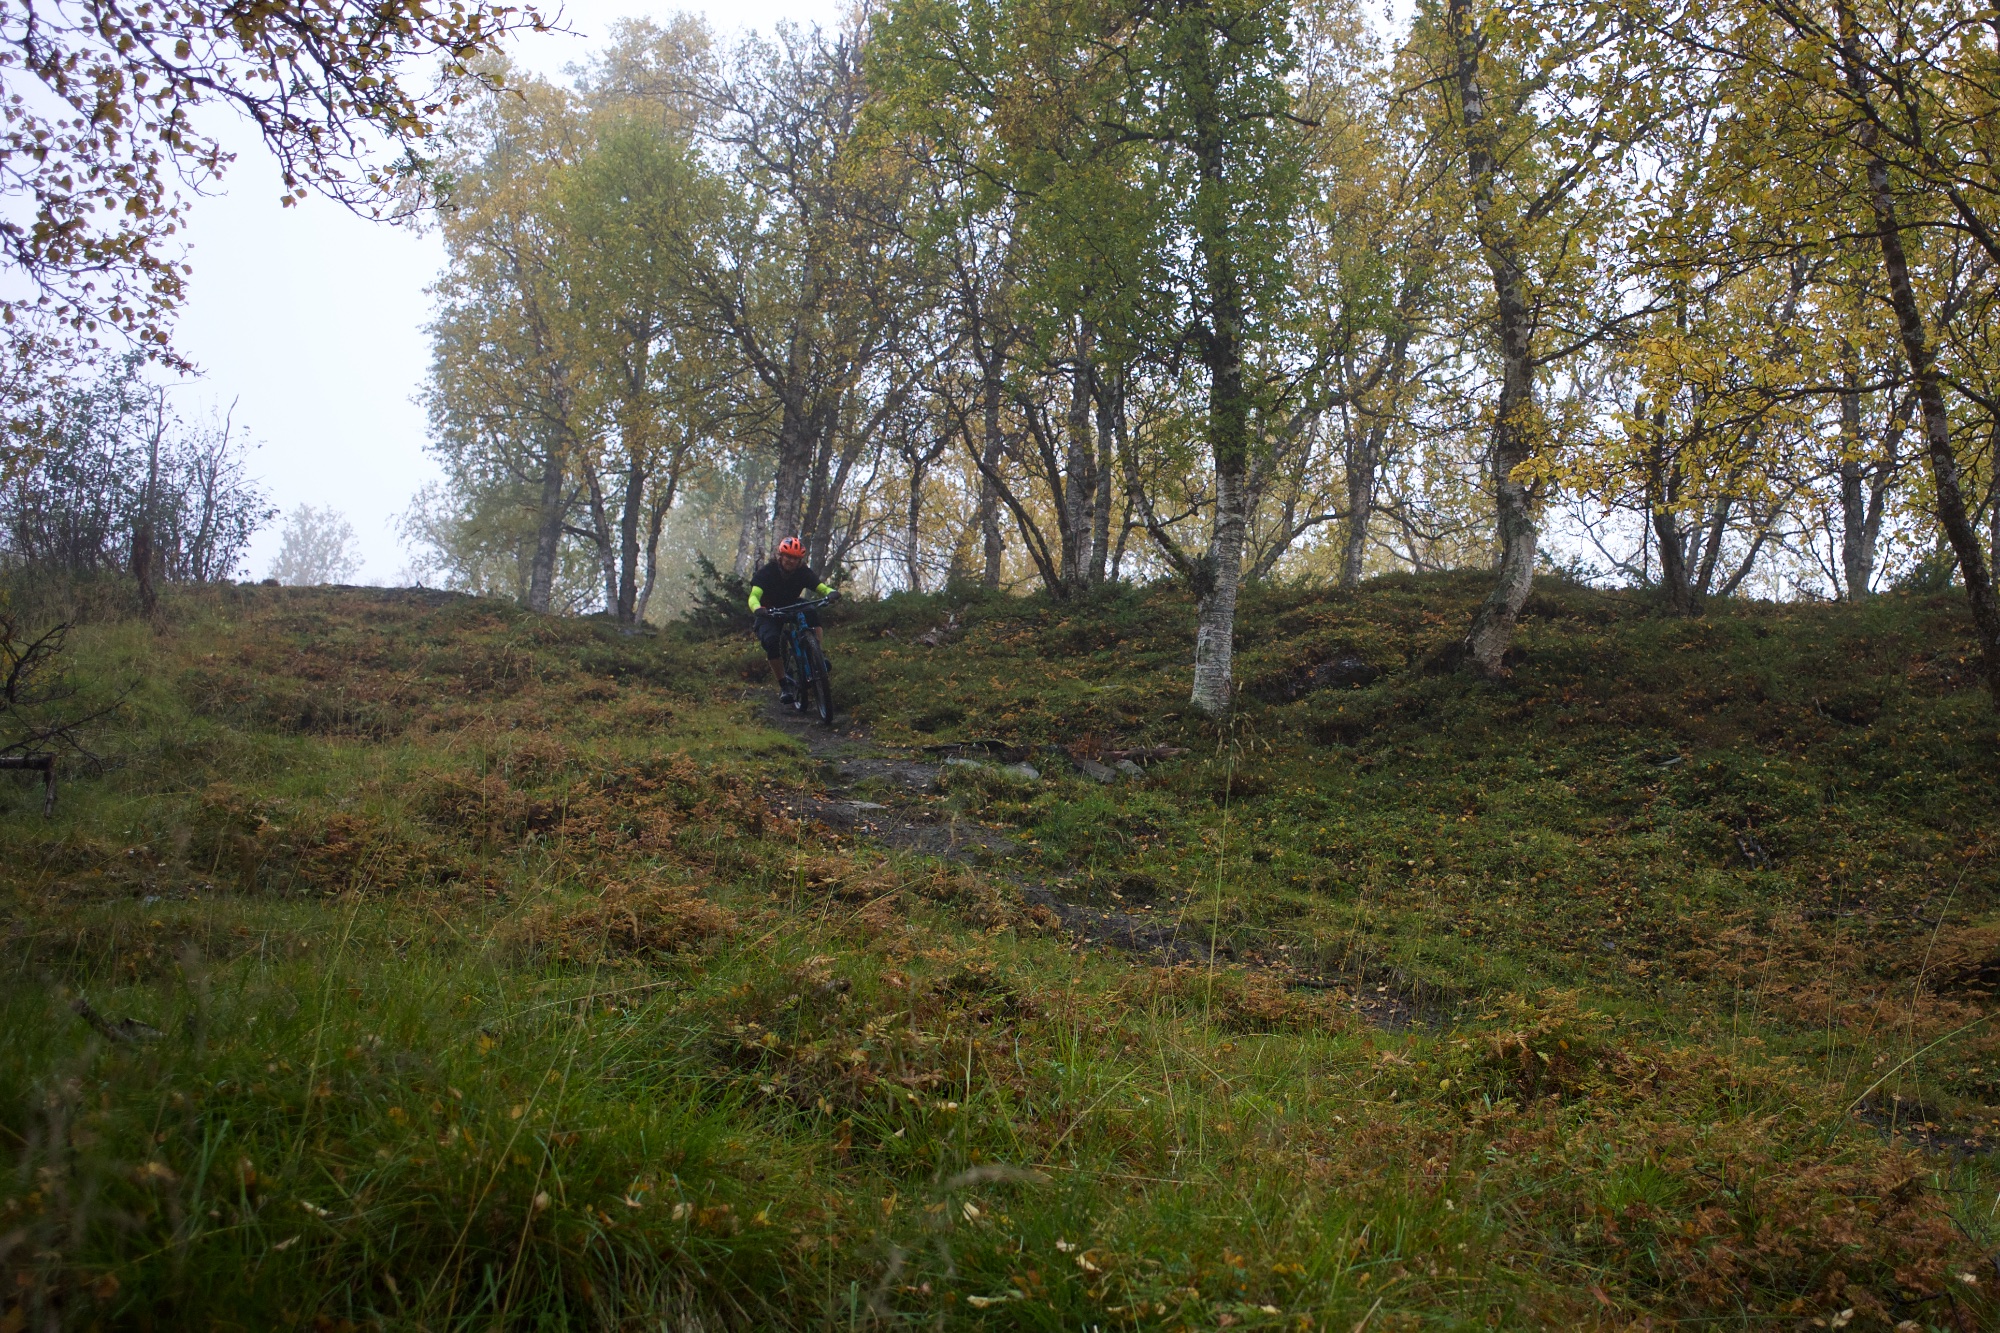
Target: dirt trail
894, 814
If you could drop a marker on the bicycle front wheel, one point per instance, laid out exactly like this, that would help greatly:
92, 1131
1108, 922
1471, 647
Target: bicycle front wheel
821, 686
801, 671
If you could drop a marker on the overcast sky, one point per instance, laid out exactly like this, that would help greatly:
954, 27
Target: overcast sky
310, 319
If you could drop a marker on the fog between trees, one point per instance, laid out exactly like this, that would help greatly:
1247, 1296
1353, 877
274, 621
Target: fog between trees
1045, 296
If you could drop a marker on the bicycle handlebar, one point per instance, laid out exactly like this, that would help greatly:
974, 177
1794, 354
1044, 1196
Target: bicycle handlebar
810, 604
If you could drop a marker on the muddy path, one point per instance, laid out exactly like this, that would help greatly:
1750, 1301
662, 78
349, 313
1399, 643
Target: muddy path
871, 791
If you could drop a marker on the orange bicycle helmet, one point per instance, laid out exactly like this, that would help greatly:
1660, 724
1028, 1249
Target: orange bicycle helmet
792, 546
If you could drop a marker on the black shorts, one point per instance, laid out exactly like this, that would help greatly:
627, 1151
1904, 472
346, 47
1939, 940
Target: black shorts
771, 631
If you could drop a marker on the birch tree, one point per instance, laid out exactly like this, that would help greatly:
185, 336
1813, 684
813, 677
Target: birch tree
1538, 105
1155, 153
1870, 128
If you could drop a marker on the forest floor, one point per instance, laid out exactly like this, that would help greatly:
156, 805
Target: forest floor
411, 961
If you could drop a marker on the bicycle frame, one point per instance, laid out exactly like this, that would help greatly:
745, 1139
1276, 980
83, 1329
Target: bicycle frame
804, 680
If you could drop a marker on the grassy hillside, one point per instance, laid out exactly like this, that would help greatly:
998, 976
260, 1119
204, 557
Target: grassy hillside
500, 971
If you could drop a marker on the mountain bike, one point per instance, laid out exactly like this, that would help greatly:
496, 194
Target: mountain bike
810, 684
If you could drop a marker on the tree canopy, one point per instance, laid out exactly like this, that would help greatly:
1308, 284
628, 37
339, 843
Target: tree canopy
1052, 294
102, 128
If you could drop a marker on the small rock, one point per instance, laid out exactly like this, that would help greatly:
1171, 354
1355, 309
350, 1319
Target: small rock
942, 635
1344, 672
1027, 771
864, 805
1090, 768
1129, 769
965, 763
1348, 671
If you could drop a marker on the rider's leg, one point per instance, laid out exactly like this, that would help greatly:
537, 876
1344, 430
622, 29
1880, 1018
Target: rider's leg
768, 635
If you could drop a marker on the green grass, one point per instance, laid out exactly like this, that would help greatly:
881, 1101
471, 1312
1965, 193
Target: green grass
1584, 824
495, 991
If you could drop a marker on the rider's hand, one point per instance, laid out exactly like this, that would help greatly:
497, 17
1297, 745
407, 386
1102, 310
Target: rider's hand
833, 596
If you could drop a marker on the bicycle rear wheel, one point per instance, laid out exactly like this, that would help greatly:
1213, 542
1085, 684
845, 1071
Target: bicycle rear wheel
821, 686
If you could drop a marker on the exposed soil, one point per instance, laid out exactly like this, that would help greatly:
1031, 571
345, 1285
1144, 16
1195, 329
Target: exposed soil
894, 815
1936, 1131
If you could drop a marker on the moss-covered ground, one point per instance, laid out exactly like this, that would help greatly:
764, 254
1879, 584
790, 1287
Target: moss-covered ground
486, 981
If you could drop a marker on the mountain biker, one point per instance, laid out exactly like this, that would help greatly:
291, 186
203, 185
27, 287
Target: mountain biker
783, 582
